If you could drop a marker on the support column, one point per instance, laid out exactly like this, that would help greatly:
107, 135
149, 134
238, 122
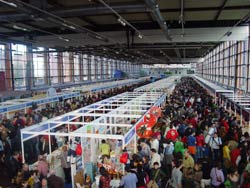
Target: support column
89, 67
29, 69
9, 68
102, 71
47, 67
81, 66
96, 68
71, 67
60, 68
248, 63
236, 68
228, 58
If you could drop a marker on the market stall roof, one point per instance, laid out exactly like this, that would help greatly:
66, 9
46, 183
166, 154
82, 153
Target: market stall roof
212, 87
242, 101
134, 99
107, 85
19, 104
160, 85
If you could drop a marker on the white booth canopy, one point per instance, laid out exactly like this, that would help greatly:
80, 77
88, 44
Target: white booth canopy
22, 104
105, 115
212, 87
160, 85
107, 85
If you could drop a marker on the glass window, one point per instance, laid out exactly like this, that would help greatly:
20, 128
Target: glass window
53, 62
76, 68
66, 67
19, 59
39, 66
85, 67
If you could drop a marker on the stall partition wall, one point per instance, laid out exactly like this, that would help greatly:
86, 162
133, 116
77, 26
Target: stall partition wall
105, 113
212, 88
229, 100
241, 105
8, 108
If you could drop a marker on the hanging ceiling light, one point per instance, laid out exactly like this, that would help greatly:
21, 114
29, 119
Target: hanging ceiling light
140, 35
64, 39
9, 3
69, 26
19, 28
122, 21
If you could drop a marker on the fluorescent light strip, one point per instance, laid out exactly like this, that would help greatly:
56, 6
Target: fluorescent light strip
9, 3
19, 28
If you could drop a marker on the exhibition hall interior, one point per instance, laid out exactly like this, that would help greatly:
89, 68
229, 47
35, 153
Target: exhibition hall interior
124, 94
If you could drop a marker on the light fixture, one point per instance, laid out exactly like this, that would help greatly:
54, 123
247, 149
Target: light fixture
9, 3
228, 33
64, 39
98, 37
19, 28
122, 21
140, 36
69, 26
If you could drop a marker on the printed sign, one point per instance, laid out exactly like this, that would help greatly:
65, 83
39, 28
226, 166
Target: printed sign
129, 136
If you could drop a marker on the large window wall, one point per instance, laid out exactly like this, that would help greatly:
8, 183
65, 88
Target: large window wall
228, 64
40, 66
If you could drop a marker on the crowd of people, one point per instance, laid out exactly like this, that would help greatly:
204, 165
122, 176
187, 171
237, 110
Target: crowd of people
196, 143
15, 174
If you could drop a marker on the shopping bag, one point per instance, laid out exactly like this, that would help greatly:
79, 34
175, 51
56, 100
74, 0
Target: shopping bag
78, 149
152, 184
124, 158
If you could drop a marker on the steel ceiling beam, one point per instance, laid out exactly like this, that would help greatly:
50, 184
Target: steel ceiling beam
100, 10
32, 11
154, 7
177, 51
220, 10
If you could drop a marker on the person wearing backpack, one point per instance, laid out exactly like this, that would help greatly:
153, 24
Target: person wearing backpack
215, 144
156, 176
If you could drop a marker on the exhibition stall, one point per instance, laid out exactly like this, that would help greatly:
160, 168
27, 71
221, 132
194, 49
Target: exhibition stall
240, 104
8, 108
166, 85
235, 103
212, 88
97, 122
97, 87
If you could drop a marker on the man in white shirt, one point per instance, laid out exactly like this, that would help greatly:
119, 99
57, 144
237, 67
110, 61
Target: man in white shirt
155, 142
215, 143
155, 157
210, 134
